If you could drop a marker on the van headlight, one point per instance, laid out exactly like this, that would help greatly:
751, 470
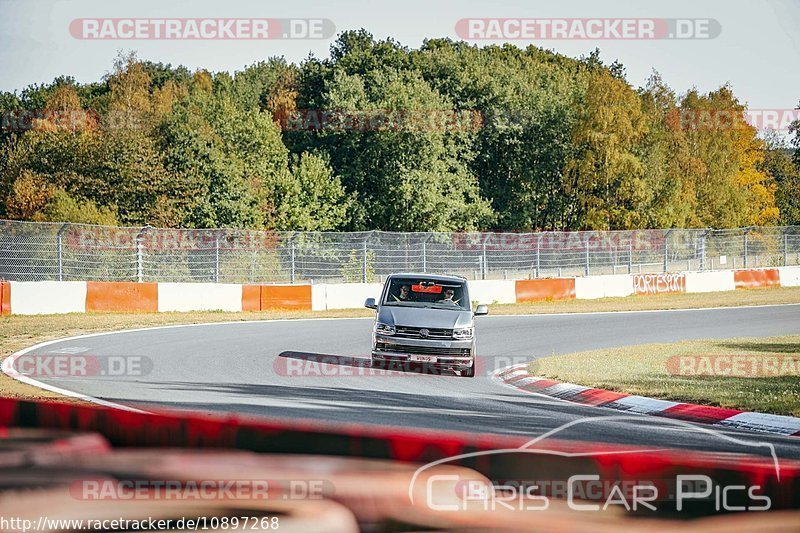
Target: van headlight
462, 334
384, 329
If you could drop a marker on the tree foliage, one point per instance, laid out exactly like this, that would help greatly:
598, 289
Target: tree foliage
446, 137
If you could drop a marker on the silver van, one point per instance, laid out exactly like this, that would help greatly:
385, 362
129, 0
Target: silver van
425, 318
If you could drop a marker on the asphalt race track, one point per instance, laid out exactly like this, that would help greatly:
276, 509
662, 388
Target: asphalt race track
271, 369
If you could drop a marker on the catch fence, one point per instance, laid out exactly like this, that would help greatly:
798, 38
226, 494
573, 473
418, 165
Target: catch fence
53, 251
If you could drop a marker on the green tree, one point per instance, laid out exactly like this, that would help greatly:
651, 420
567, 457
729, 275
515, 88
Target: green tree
315, 199
669, 170
785, 172
409, 173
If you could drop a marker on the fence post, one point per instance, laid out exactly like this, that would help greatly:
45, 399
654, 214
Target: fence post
746, 238
630, 256
666, 250
364, 265
586, 244
291, 252
425, 252
140, 254
785, 249
253, 256
485, 269
702, 252
60, 245
216, 256
538, 254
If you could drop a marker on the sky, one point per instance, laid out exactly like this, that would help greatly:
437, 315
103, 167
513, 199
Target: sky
757, 50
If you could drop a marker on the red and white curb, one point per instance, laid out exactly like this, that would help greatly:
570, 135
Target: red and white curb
517, 376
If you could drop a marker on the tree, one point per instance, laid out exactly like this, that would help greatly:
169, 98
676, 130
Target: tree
605, 177
447, 137
315, 199
33, 198
408, 172
785, 174
669, 170
730, 188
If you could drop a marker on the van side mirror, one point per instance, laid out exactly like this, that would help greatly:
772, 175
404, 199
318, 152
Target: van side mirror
482, 310
370, 303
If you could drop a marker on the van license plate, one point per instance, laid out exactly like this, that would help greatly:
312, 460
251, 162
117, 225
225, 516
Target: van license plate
422, 358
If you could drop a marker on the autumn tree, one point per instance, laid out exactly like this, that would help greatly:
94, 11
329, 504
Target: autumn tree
604, 178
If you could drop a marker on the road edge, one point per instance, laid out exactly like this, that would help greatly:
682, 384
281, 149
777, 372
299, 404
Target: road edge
9, 370
517, 377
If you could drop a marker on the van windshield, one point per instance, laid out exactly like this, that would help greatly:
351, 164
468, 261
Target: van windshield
432, 293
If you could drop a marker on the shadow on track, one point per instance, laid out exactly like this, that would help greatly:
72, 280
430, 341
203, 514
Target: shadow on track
505, 414
363, 362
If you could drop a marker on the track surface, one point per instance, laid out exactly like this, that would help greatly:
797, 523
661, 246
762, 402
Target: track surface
252, 368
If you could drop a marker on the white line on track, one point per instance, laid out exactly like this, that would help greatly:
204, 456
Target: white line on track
10, 371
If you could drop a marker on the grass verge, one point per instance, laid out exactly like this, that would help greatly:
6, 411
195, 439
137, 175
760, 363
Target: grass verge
18, 332
771, 296
753, 374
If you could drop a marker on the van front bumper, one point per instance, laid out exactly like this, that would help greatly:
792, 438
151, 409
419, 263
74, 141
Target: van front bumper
457, 354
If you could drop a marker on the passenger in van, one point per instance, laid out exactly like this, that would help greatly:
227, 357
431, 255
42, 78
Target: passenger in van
448, 297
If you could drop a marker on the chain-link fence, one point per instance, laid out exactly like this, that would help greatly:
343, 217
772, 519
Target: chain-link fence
47, 251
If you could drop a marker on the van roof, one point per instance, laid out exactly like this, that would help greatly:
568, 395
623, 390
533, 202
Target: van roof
426, 275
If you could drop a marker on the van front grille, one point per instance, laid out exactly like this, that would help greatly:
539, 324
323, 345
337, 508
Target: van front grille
422, 350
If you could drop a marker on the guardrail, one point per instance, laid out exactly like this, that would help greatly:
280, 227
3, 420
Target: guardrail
48, 297
32, 251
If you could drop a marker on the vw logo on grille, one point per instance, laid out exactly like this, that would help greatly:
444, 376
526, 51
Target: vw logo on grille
424, 333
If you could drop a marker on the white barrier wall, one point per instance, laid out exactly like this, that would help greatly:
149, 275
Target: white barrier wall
710, 281
199, 297
48, 297
610, 286
318, 298
790, 276
490, 291
348, 295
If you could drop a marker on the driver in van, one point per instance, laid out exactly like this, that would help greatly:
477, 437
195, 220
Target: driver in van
404, 295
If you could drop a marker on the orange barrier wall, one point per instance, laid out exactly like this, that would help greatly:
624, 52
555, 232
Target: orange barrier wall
119, 296
251, 297
530, 290
5, 298
264, 297
751, 279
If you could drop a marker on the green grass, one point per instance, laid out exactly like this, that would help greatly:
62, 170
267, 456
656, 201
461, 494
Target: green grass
646, 370
771, 296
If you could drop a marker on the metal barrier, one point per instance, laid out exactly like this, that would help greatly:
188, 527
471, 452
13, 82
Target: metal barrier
31, 251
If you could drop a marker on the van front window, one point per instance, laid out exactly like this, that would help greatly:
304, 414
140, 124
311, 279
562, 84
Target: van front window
432, 293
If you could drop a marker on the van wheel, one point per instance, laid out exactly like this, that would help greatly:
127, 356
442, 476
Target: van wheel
468, 372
